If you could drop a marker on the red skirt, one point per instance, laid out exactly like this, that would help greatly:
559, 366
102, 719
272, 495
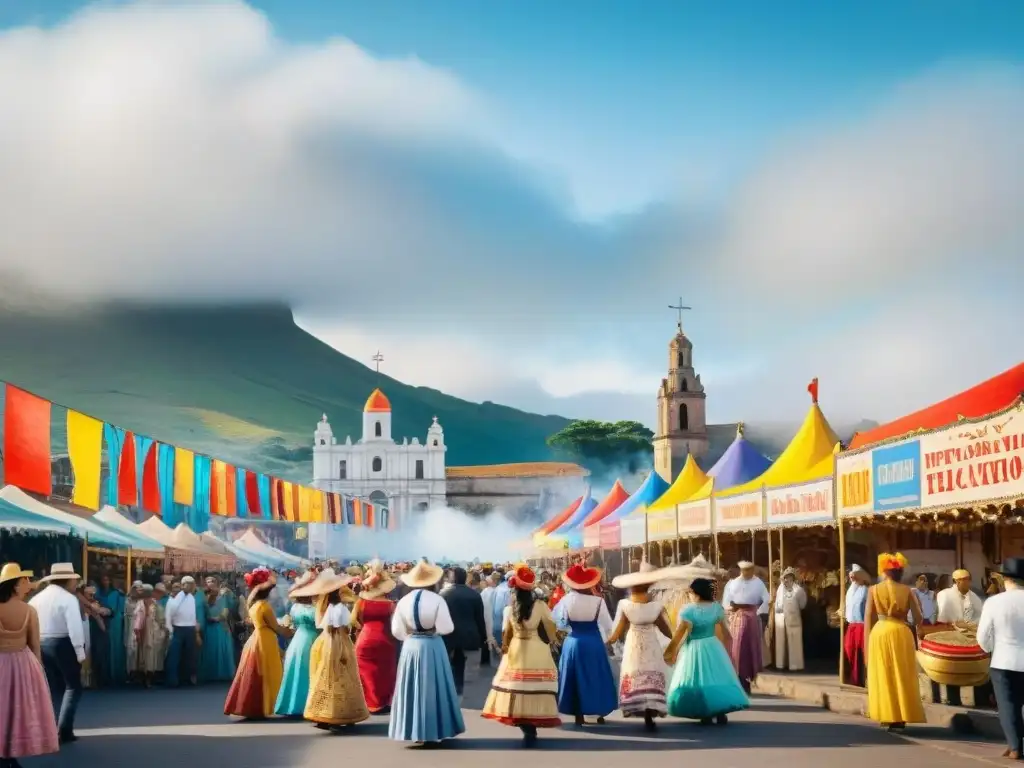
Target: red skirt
377, 658
245, 697
853, 646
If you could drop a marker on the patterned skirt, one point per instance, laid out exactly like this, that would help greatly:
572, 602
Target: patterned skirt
335, 693
643, 677
525, 688
747, 643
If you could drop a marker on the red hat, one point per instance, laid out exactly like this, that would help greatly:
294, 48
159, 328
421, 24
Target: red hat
580, 577
524, 578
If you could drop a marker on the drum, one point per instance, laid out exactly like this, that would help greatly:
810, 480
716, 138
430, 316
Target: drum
953, 658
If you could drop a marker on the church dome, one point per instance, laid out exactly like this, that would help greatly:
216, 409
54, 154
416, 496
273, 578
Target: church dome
377, 402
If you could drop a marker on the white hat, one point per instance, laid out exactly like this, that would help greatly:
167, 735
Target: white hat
856, 569
744, 565
646, 575
61, 572
187, 580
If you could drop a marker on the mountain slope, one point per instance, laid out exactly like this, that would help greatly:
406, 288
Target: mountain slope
243, 384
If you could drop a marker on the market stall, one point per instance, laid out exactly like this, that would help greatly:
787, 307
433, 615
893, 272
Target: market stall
588, 535
656, 525
652, 488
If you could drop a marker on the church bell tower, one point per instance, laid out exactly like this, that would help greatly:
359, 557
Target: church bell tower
682, 418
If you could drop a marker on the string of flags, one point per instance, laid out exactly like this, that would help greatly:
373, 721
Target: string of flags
173, 482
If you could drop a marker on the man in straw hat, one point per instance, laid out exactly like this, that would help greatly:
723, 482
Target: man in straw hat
745, 597
1001, 633
62, 644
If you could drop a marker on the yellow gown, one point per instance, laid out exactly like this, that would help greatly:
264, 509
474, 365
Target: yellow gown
258, 678
894, 695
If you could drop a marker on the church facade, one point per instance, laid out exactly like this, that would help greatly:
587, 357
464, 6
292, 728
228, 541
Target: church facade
682, 416
406, 477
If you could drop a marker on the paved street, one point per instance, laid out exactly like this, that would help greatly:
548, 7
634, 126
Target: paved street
152, 729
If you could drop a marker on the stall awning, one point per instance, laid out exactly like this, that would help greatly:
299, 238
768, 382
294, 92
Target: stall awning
740, 463
690, 480
250, 542
19, 519
558, 519
616, 496
80, 527
111, 518
650, 490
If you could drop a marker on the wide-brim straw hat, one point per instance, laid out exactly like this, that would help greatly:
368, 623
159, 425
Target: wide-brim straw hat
60, 572
698, 568
377, 582
423, 575
581, 577
790, 572
305, 579
328, 581
13, 571
647, 574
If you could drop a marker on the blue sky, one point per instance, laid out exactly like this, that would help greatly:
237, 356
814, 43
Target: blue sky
614, 140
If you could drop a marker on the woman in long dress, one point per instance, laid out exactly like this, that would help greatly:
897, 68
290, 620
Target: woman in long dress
291, 701
218, 653
28, 727
704, 684
149, 638
425, 709
894, 696
585, 682
258, 679
643, 674
524, 692
376, 648
335, 694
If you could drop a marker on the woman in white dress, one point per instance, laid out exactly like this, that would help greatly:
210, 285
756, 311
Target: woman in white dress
643, 674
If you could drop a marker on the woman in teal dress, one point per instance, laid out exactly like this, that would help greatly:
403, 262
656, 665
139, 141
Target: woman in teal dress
291, 699
113, 601
217, 663
704, 683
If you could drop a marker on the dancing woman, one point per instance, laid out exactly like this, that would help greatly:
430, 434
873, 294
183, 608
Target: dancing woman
291, 700
376, 648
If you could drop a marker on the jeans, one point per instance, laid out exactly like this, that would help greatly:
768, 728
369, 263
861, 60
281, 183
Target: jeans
1009, 690
458, 659
181, 656
64, 675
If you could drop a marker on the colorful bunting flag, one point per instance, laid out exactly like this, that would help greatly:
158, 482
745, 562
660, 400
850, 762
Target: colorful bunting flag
350, 511
230, 492
263, 481
151, 480
288, 510
165, 466
368, 514
276, 501
252, 493
85, 450
184, 477
127, 482
113, 437
241, 494
296, 506
357, 507
27, 441
199, 519
316, 506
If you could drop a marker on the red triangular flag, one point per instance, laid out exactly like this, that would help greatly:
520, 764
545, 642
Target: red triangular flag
812, 388
27, 441
151, 480
252, 494
127, 473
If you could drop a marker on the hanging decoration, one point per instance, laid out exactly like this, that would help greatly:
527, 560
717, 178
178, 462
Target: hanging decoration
27, 441
184, 476
151, 480
127, 484
85, 451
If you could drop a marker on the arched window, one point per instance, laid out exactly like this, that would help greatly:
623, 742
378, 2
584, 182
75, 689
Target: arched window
435, 443
682, 384
684, 418
681, 359
322, 441
379, 499
378, 465
376, 429
343, 470
422, 506
419, 469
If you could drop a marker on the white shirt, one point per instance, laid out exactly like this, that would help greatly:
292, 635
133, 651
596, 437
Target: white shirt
795, 594
926, 601
181, 611
487, 595
954, 606
1001, 630
60, 615
579, 607
433, 614
337, 615
750, 591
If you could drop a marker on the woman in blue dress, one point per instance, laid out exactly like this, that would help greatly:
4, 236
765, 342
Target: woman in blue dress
585, 682
113, 601
217, 660
291, 700
425, 708
704, 683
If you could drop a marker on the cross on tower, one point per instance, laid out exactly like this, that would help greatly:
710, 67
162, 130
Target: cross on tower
378, 359
680, 308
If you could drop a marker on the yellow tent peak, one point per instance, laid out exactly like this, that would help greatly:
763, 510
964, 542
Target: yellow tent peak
691, 479
807, 457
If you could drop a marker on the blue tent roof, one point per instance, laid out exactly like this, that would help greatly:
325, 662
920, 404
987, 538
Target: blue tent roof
740, 464
585, 508
79, 527
650, 490
16, 517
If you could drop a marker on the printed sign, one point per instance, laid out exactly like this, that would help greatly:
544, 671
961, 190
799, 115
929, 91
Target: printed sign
971, 463
694, 518
853, 484
739, 513
661, 525
633, 533
611, 535
896, 476
592, 536
800, 504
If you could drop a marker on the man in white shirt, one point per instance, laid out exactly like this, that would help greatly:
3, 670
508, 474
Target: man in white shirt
854, 606
959, 603
502, 598
62, 644
487, 595
925, 599
181, 615
1001, 633
745, 598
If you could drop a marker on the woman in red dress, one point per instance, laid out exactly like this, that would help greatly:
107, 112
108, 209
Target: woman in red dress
376, 648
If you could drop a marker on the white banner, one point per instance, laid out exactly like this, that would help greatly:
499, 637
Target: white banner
592, 536
853, 484
800, 504
632, 527
966, 464
694, 518
661, 525
739, 513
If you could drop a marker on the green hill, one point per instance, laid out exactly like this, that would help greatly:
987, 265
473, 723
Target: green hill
242, 384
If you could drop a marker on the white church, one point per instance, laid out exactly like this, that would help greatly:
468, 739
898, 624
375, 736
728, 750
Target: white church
407, 477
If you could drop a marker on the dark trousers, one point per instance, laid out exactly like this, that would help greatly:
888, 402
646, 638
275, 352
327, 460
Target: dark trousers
485, 656
181, 657
1009, 690
458, 659
64, 675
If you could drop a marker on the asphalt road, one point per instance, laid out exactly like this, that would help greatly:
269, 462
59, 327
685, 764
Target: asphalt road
186, 727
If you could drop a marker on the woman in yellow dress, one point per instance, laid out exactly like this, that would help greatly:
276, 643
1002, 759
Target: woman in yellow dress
335, 693
258, 678
894, 696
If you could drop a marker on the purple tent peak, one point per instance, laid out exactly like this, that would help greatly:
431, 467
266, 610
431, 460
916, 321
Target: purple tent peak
740, 463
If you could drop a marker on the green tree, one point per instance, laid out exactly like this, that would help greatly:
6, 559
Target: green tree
603, 445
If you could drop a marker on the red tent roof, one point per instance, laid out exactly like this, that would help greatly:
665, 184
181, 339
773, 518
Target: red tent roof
988, 397
608, 504
555, 522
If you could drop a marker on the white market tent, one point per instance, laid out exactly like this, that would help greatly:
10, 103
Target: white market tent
83, 528
111, 518
250, 542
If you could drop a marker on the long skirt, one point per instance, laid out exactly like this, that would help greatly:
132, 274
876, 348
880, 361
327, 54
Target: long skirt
28, 727
585, 682
894, 695
335, 694
425, 707
643, 677
525, 688
258, 679
378, 666
217, 658
747, 644
704, 683
291, 699
853, 647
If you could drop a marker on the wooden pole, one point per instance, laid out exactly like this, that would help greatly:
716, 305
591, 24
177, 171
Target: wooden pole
128, 572
647, 541
782, 549
85, 558
842, 600
771, 599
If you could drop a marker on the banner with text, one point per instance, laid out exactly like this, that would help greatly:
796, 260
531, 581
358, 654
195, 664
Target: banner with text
739, 513
800, 504
633, 532
694, 518
853, 485
661, 525
896, 476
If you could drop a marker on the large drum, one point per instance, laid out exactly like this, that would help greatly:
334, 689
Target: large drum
953, 658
